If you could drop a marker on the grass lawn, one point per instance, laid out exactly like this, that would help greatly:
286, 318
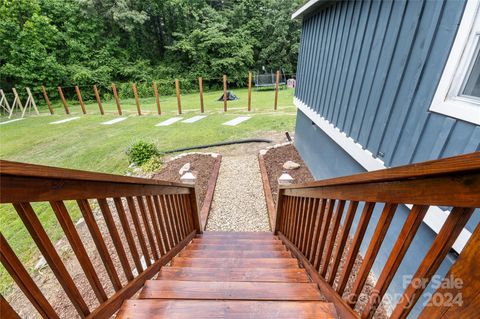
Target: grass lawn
86, 144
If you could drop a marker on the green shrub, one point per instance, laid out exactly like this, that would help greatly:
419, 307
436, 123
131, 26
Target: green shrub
153, 164
140, 152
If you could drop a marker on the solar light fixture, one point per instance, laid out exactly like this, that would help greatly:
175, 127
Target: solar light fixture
285, 179
188, 178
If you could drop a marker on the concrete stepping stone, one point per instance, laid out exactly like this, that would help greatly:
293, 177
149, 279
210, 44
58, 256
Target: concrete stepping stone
237, 120
120, 119
194, 119
170, 121
65, 120
6, 122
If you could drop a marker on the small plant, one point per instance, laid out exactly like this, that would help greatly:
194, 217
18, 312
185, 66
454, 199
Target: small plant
153, 164
140, 152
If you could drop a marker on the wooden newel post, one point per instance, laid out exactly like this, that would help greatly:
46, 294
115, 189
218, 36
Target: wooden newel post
279, 213
179, 100
115, 94
200, 88
45, 96
64, 102
225, 93
80, 100
197, 224
99, 101
277, 79
157, 99
249, 91
135, 94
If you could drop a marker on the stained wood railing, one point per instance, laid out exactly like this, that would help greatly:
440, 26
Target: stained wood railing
156, 218
309, 221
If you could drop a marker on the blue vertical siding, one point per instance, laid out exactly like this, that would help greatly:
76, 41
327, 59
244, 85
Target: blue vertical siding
371, 68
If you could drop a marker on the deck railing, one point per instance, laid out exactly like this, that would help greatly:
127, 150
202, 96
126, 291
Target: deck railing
164, 217
309, 220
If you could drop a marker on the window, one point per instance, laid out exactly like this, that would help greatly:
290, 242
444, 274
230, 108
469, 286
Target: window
458, 93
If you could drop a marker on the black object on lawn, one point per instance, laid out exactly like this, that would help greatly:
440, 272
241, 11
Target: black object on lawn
230, 97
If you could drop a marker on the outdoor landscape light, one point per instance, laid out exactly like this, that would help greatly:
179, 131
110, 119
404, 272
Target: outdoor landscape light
188, 178
285, 179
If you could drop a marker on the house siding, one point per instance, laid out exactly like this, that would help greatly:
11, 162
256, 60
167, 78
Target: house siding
371, 68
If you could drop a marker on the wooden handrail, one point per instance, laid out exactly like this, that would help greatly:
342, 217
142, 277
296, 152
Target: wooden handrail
309, 215
164, 218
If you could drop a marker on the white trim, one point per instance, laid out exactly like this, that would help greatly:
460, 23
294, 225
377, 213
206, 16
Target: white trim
446, 100
310, 5
435, 217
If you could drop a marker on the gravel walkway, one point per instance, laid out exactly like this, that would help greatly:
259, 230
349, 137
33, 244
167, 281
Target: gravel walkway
239, 203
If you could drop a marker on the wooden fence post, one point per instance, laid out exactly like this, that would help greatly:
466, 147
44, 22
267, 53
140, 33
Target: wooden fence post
200, 87
225, 93
249, 91
30, 103
99, 101
45, 96
17, 102
179, 102
4, 102
65, 105
277, 78
135, 93
115, 94
80, 100
157, 99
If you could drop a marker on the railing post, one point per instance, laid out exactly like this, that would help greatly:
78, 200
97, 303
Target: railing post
279, 213
197, 224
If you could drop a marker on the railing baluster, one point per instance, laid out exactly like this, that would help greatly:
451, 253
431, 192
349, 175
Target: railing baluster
186, 212
99, 242
291, 215
171, 240
373, 248
146, 226
138, 230
161, 223
324, 233
35, 228
298, 210
347, 224
318, 228
154, 220
409, 229
311, 226
117, 242
305, 225
173, 219
77, 246
355, 246
457, 219
128, 233
20, 275
7, 311
181, 220
332, 238
282, 218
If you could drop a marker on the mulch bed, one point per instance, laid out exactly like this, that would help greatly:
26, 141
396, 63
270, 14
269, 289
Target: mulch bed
201, 166
274, 160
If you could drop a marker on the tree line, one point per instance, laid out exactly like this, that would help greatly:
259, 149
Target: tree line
81, 42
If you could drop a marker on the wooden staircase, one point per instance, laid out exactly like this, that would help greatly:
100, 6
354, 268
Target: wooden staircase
230, 275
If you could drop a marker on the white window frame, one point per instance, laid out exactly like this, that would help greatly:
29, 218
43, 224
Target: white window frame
448, 99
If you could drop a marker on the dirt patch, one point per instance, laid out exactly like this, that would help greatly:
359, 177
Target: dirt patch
274, 160
201, 166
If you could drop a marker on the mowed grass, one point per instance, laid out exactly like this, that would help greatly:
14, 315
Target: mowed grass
88, 145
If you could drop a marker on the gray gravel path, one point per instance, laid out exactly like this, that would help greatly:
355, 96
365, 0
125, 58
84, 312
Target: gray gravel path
239, 203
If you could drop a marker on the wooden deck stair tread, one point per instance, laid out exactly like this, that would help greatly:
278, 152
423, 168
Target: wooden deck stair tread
171, 289
230, 275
